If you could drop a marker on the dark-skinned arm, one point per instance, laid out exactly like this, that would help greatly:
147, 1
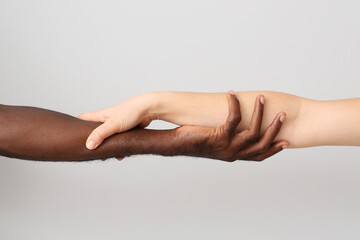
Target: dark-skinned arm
38, 134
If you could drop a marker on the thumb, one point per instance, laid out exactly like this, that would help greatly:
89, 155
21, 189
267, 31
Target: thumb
100, 133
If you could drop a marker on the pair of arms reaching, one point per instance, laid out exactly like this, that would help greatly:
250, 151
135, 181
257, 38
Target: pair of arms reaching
39, 134
211, 128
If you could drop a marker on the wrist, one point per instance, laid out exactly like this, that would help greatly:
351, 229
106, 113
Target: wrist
191, 141
155, 105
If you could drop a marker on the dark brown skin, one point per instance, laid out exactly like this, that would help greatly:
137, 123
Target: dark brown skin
38, 134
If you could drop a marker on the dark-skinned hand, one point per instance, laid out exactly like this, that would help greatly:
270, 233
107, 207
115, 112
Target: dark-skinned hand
225, 143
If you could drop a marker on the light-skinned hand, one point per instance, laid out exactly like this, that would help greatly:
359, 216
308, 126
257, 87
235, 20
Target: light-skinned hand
118, 118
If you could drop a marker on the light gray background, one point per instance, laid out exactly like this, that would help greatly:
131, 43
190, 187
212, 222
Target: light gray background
77, 56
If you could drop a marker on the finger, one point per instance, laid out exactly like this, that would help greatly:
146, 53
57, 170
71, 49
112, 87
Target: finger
97, 116
257, 116
234, 116
275, 148
272, 131
100, 133
267, 139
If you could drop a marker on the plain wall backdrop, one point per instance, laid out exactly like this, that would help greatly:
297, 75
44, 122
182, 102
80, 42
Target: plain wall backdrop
77, 56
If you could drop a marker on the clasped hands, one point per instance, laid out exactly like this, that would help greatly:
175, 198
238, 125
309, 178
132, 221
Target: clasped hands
224, 142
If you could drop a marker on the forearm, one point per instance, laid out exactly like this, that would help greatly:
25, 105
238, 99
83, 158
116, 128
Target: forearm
308, 122
335, 122
39, 134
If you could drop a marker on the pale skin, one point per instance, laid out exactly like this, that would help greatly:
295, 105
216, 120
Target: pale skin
308, 122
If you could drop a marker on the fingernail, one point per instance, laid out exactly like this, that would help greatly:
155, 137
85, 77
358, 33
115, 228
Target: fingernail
282, 118
262, 99
232, 92
285, 146
90, 145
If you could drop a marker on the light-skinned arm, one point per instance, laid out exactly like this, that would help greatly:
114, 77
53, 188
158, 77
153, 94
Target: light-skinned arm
308, 122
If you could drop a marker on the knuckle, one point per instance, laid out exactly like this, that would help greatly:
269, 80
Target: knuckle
120, 126
273, 128
230, 125
106, 114
236, 117
115, 124
226, 134
263, 146
253, 135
